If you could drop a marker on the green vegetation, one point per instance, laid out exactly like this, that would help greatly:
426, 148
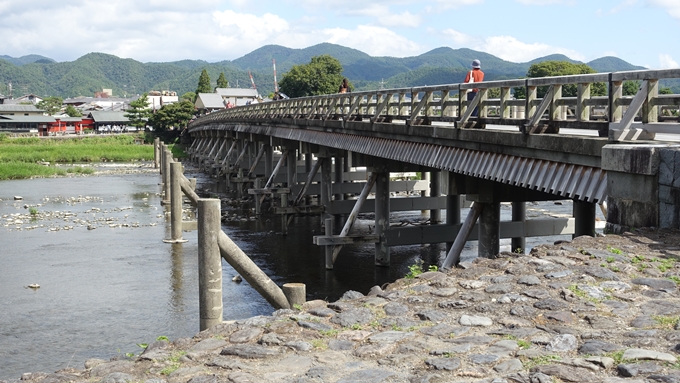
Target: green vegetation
222, 81
175, 115
139, 112
329, 333
523, 344
33, 210
323, 75
126, 77
614, 250
664, 321
51, 105
617, 356
174, 363
72, 111
417, 268
529, 363
319, 343
561, 68
25, 157
203, 83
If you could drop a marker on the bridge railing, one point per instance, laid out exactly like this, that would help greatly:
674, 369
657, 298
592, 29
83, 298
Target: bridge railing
611, 115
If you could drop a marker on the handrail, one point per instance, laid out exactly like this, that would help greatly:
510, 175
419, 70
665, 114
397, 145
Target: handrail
426, 104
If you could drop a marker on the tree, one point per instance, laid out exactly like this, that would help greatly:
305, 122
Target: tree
72, 112
631, 87
175, 115
189, 96
323, 75
222, 81
561, 68
51, 105
138, 113
203, 83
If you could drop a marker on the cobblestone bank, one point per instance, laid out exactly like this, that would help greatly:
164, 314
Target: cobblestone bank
592, 310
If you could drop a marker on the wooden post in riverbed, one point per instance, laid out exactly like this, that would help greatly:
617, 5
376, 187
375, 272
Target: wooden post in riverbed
175, 204
209, 263
156, 151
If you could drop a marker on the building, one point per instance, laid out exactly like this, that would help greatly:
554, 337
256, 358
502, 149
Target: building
34, 124
20, 110
158, 99
110, 122
87, 104
238, 96
209, 102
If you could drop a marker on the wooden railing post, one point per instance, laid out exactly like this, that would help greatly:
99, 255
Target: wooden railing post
583, 94
615, 95
650, 112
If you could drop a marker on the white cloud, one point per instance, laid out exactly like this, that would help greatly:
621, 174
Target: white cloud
510, 49
405, 19
667, 62
459, 39
622, 6
545, 2
246, 28
442, 5
671, 6
376, 41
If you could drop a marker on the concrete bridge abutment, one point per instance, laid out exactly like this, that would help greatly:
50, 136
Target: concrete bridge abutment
643, 184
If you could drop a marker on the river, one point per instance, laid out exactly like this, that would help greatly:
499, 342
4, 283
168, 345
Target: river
108, 282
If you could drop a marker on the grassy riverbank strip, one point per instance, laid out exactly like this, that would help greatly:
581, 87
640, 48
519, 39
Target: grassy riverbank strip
29, 157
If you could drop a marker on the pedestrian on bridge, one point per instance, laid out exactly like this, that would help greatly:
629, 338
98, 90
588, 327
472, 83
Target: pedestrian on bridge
475, 75
344, 87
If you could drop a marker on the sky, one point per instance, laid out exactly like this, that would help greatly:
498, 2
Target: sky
641, 32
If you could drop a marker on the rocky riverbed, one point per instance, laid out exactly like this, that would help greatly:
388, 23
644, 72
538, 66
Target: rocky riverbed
600, 309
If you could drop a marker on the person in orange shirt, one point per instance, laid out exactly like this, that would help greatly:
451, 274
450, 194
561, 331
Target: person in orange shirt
475, 75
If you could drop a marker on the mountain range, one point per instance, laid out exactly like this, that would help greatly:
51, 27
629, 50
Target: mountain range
93, 72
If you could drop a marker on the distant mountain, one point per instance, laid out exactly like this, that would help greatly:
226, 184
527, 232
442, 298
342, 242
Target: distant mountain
612, 64
29, 59
95, 71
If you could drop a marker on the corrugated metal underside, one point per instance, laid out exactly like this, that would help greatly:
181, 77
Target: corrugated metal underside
584, 183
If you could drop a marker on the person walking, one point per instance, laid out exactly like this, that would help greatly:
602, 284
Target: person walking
344, 87
475, 75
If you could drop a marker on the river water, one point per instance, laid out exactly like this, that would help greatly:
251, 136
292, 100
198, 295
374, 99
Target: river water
108, 282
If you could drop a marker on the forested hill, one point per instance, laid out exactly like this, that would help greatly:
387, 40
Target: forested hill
95, 71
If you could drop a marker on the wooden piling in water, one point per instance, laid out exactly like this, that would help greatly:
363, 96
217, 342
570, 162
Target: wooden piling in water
209, 263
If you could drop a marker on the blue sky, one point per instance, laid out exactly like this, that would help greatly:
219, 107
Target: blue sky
642, 32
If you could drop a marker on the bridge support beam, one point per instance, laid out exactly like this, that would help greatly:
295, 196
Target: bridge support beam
268, 160
326, 184
489, 230
435, 191
584, 214
382, 217
453, 205
519, 212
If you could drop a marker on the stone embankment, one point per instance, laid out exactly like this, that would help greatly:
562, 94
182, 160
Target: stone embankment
591, 310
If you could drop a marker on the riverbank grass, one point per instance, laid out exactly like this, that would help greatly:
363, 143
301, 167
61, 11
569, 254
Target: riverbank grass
33, 157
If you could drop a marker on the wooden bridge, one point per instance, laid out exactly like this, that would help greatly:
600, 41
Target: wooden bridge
589, 149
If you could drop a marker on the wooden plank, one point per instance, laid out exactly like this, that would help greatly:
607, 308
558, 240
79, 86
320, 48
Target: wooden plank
323, 240
572, 79
301, 209
396, 204
646, 74
413, 235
